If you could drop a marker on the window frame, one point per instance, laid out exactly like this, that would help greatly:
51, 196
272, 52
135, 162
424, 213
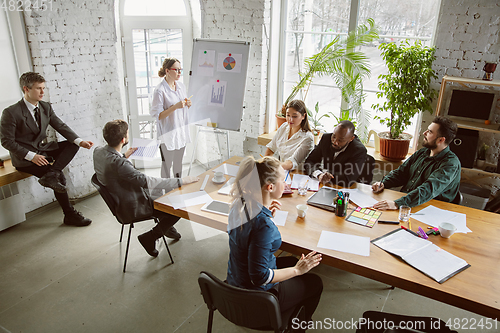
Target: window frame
277, 59
21, 50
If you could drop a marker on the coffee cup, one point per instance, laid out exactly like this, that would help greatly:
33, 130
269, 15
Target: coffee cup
447, 229
219, 176
301, 210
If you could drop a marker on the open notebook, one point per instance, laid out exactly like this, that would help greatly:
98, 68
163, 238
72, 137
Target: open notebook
422, 254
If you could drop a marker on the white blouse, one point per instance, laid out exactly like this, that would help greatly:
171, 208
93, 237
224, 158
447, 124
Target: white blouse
173, 130
295, 149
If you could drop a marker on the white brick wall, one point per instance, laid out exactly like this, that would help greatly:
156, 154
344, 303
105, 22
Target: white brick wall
73, 47
467, 37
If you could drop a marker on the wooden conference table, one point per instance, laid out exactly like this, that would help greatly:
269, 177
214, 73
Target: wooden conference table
477, 289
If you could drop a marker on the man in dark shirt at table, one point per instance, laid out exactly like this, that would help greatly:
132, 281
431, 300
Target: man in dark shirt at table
338, 158
432, 172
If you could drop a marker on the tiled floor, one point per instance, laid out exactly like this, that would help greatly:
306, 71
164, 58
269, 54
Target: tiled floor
55, 278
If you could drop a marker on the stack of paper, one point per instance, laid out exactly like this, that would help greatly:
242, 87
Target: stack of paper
345, 243
312, 184
228, 169
146, 149
422, 254
434, 216
189, 199
359, 198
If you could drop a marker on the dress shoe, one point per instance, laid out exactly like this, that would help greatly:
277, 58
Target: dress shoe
148, 241
77, 219
50, 180
172, 233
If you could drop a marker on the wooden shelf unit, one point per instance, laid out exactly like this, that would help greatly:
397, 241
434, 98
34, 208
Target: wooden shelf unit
477, 126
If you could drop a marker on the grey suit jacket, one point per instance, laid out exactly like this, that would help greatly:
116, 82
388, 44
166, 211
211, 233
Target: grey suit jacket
132, 190
19, 132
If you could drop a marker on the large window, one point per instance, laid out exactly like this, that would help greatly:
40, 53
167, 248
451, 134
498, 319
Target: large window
311, 24
12, 43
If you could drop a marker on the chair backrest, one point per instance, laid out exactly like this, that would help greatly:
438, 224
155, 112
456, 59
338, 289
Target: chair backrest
366, 175
103, 191
373, 322
459, 198
248, 308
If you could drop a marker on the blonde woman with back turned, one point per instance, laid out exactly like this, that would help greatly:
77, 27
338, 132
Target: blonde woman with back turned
253, 239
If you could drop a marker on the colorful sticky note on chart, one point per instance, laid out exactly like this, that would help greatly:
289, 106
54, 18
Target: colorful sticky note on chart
364, 216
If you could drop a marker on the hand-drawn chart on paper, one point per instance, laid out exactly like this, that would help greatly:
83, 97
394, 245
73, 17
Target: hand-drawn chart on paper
218, 93
206, 62
229, 63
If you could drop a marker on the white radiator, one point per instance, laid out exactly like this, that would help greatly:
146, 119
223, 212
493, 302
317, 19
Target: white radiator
11, 206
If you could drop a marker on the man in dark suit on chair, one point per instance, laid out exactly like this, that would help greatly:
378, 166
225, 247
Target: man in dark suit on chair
132, 190
23, 128
339, 158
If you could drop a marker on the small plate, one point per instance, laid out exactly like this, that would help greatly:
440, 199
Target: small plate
223, 180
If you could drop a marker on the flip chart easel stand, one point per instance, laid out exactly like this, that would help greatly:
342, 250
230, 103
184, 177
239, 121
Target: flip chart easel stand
217, 133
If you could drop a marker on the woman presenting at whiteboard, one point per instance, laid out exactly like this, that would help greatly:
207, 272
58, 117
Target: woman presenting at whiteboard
170, 109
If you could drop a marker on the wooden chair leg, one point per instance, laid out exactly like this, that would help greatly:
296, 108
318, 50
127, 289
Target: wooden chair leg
128, 244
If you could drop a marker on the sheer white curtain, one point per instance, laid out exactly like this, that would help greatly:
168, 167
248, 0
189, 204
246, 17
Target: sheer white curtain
9, 86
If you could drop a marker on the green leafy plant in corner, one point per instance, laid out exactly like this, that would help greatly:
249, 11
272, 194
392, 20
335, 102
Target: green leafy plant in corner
406, 87
348, 67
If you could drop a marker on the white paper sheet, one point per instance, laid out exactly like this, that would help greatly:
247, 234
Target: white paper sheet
280, 217
312, 184
434, 216
345, 243
189, 199
146, 149
227, 186
228, 169
359, 198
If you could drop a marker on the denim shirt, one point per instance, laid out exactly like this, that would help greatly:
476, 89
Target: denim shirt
252, 246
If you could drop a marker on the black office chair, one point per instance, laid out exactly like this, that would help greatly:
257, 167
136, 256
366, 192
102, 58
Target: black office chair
366, 176
108, 199
373, 322
253, 309
458, 199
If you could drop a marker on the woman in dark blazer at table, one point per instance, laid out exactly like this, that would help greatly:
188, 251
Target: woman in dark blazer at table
254, 238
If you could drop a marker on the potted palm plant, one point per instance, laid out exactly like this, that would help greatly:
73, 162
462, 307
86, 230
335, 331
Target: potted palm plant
406, 89
340, 60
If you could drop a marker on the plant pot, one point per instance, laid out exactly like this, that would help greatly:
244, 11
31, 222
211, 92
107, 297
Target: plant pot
376, 139
280, 120
480, 163
317, 137
394, 149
